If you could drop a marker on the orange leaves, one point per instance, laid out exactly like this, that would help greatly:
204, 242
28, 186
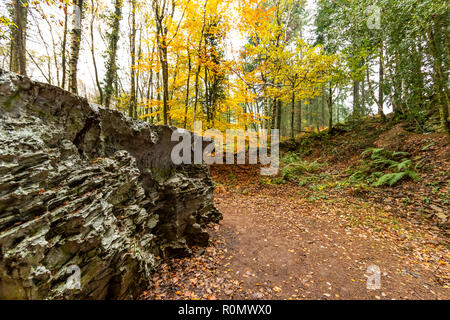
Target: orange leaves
277, 289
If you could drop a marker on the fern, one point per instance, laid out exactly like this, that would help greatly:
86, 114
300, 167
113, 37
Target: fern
396, 163
372, 151
402, 166
294, 167
402, 154
390, 179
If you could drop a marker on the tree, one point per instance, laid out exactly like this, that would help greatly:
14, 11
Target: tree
63, 46
76, 43
132, 111
164, 12
94, 10
18, 62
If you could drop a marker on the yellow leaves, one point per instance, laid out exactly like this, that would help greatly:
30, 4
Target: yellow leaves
197, 47
277, 289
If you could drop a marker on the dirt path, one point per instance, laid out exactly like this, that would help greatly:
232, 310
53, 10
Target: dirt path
321, 250
275, 244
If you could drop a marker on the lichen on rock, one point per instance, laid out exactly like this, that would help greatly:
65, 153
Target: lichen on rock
88, 187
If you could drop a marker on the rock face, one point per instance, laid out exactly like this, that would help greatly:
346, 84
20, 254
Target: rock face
86, 193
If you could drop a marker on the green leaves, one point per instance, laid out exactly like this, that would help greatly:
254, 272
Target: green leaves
294, 167
393, 178
384, 167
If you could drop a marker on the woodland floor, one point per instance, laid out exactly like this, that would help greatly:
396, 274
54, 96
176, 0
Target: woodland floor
290, 242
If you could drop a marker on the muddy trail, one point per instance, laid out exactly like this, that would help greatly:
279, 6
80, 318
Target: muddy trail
274, 243
319, 236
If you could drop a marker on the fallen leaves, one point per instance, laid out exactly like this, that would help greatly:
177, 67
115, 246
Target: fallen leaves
277, 289
342, 231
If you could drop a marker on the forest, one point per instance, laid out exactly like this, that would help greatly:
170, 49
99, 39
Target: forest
288, 65
358, 90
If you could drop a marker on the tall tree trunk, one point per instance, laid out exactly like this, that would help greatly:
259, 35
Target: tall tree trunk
111, 64
300, 107
379, 101
138, 74
132, 111
158, 95
165, 76
187, 89
149, 97
199, 62
18, 62
279, 114
274, 113
356, 101
76, 42
64, 45
266, 122
205, 78
439, 78
310, 113
362, 101
322, 103
94, 60
330, 107
292, 114
381, 85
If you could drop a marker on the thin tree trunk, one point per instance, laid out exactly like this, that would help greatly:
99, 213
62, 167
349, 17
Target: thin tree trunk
356, 102
165, 76
300, 107
274, 113
94, 61
436, 40
199, 63
132, 110
330, 108
205, 78
158, 95
111, 65
381, 85
372, 93
322, 103
63, 47
292, 113
138, 74
279, 114
18, 62
187, 89
75, 47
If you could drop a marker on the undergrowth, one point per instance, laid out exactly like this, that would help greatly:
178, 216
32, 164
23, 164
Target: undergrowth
294, 167
381, 167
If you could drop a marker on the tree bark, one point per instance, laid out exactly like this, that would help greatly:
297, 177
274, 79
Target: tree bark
63, 47
199, 62
279, 114
381, 85
132, 111
300, 116
18, 62
94, 60
330, 107
75, 47
187, 89
111, 65
274, 114
292, 114
439, 80
356, 102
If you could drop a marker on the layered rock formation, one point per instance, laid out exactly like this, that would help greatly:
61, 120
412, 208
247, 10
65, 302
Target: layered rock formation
87, 192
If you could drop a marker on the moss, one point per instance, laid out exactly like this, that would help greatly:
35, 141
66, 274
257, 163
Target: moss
162, 173
9, 102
